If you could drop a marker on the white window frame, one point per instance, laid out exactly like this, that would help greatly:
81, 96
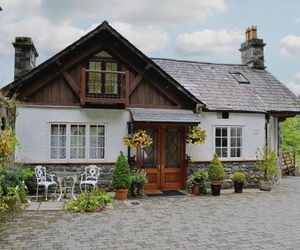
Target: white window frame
68, 143
228, 127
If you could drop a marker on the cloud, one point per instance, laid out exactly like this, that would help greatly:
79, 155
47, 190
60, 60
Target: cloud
208, 42
135, 12
290, 45
297, 20
294, 86
147, 39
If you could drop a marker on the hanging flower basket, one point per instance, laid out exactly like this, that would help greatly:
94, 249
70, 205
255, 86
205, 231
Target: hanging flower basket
139, 138
196, 135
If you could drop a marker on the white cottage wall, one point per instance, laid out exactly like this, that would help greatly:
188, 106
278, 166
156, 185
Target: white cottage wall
33, 130
253, 130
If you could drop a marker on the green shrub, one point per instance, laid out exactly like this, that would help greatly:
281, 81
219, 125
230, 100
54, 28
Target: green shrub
90, 202
216, 170
137, 181
121, 174
199, 174
267, 164
238, 177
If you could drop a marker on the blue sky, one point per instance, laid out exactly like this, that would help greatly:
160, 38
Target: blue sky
201, 30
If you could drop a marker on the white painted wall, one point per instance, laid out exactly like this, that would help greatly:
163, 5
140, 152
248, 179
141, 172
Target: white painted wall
33, 130
253, 130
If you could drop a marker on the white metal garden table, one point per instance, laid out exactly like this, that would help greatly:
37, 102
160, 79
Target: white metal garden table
61, 176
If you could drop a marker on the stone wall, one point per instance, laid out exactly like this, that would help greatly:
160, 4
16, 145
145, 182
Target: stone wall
249, 168
105, 177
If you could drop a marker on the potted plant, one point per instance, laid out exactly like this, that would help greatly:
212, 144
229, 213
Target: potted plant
137, 181
268, 168
196, 182
139, 138
238, 179
196, 135
216, 175
121, 177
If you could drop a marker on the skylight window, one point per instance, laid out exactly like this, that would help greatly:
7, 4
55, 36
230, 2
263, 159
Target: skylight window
239, 77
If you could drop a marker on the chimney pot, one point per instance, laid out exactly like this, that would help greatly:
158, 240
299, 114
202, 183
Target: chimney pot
25, 55
252, 50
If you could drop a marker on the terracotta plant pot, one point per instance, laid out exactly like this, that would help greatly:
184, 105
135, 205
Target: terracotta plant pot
196, 189
121, 194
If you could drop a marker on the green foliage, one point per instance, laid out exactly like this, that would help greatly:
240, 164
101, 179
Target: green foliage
291, 135
8, 142
90, 202
216, 170
137, 181
196, 176
12, 181
3, 205
238, 177
121, 174
138, 178
267, 164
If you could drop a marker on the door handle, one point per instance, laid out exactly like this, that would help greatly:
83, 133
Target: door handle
162, 166
158, 166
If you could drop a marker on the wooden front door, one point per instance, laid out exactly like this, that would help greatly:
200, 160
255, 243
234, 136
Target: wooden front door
164, 160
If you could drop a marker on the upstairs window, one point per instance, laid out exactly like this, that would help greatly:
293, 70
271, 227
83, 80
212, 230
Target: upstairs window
101, 79
239, 77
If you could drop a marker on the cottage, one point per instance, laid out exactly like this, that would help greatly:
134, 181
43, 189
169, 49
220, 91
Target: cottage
77, 106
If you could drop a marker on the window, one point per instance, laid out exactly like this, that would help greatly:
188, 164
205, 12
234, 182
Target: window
58, 141
239, 77
102, 82
228, 142
96, 142
77, 141
77, 145
223, 115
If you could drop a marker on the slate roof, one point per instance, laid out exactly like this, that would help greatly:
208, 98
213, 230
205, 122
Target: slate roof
163, 115
214, 85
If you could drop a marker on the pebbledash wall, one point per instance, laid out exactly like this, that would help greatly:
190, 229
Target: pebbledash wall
33, 133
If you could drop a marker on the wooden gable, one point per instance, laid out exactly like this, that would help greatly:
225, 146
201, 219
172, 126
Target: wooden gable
63, 80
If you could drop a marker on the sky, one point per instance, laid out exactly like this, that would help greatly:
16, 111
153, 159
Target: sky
198, 30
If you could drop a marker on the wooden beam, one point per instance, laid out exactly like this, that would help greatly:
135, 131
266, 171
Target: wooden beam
58, 71
71, 82
105, 100
127, 88
137, 80
82, 87
135, 83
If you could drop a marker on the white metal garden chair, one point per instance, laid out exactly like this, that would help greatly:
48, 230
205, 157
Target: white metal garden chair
44, 179
90, 177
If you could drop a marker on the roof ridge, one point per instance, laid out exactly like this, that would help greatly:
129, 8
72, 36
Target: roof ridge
192, 61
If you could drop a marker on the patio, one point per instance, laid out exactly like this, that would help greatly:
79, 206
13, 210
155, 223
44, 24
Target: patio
252, 220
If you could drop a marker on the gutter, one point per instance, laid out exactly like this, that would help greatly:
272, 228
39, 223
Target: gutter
267, 119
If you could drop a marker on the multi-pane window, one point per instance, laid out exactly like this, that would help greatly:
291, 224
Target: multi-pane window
94, 78
101, 76
77, 141
58, 141
97, 142
228, 142
111, 79
235, 142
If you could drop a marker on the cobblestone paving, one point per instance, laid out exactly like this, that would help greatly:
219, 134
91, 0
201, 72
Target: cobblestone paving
252, 220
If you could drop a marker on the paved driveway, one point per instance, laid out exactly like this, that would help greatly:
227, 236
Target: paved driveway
252, 220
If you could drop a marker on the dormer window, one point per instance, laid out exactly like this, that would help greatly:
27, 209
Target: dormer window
239, 77
102, 75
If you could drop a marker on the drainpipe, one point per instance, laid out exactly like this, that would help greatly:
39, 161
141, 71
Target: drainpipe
267, 117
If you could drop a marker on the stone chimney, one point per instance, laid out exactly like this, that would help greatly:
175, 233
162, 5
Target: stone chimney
25, 55
252, 50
